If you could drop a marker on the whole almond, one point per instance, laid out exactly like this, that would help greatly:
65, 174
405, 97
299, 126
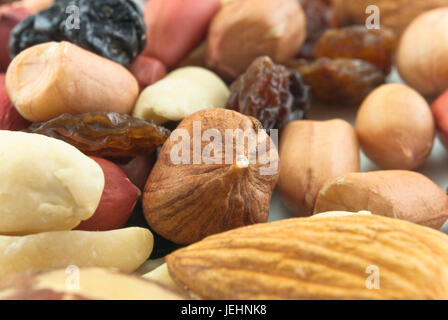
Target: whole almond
313, 152
344, 257
399, 194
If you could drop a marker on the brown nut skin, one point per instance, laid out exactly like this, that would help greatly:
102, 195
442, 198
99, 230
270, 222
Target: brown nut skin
395, 127
246, 29
10, 119
396, 14
187, 202
313, 152
94, 284
397, 194
422, 60
440, 112
117, 201
10, 16
49, 79
147, 70
137, 169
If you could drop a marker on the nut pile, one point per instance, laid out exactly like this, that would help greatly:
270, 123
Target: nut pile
141, 145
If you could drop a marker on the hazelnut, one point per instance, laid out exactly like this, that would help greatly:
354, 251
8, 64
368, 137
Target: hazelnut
211, 177
395, 127
422, 59
246, 29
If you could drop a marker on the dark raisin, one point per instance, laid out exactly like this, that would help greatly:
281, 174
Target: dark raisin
320, 16
339, 81
358, 42
104, 134
270, 93
111, 28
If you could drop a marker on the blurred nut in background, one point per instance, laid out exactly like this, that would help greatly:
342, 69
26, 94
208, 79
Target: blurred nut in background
147, 71
246, 29
395, 127
312, 152
181, 93
422, 56
46, 184
175, 27
222, 189
396, 14
117, 201
10, 16
50, 79
440, 112
397, 194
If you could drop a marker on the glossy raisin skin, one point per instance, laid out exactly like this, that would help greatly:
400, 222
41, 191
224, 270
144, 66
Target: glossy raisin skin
271, 93
104, 134
320, 16
339, 81
113, 29
358, 42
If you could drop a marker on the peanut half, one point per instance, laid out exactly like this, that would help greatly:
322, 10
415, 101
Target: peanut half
399, 194
312, 152
46, 184
123, 249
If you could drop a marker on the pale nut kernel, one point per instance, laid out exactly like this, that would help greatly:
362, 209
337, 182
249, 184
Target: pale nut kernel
395, 127
123, 249
312, 152
46, 184
397, 194
82, 283
181, 93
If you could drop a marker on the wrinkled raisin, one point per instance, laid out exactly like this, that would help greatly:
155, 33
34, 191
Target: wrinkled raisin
339, 81
104, 134
270, 93
320, 16
358, 42
111, 28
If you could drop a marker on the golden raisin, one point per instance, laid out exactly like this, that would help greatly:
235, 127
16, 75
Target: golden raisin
358, 42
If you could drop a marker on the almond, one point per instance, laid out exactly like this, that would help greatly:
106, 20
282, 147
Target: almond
398, 194
317, 258
313, 152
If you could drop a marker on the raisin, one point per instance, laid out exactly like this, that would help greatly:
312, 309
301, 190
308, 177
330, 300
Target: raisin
270, 93
339, 81
111, 28
320, 16
104, 134
358, 42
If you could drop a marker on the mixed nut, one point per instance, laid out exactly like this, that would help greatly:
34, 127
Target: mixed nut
155, 134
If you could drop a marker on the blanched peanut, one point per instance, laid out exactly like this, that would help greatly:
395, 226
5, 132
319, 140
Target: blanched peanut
46, 184
181, 93
123, 249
